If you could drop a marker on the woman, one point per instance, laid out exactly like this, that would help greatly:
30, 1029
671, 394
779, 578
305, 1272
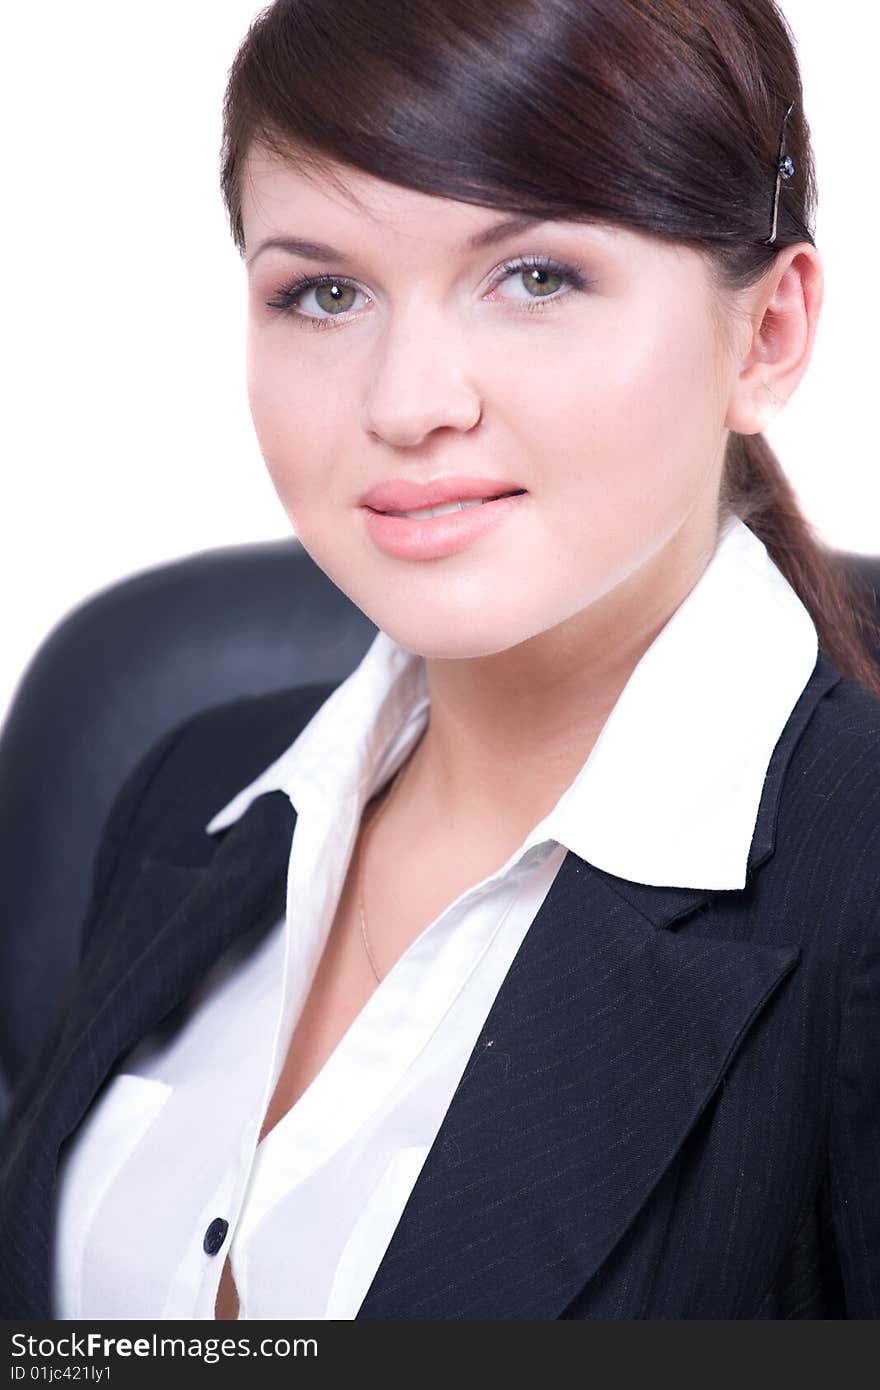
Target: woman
560, 1000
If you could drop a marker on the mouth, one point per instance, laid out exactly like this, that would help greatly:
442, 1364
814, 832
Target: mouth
430, 533
424, 513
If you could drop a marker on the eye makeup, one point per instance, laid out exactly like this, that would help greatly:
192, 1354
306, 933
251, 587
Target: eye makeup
287, 299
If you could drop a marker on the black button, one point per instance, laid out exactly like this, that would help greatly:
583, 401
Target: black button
215, 1235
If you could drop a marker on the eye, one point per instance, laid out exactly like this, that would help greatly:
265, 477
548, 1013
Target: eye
535, 275
334, 296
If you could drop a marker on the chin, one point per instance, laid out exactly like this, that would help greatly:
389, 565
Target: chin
455, 639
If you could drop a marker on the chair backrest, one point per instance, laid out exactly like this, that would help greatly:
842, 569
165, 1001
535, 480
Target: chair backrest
111, 677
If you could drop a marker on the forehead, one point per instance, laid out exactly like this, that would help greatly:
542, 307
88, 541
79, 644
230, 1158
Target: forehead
338, 202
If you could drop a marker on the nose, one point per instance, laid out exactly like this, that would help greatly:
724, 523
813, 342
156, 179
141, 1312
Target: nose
418, 387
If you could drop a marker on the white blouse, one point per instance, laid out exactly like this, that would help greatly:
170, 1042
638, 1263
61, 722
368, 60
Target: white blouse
168, 1151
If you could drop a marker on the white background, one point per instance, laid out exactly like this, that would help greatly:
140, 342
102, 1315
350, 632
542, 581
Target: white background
127, 439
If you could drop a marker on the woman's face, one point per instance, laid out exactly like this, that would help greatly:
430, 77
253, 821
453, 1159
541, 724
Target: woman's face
596, 385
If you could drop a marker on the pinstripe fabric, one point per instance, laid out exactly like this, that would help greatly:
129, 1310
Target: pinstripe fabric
679, 1115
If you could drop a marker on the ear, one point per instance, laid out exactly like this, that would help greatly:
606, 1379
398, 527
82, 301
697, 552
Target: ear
784, 314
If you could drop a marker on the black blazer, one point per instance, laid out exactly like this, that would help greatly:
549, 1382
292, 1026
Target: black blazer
679, 1112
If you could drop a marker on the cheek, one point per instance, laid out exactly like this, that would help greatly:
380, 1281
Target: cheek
630, 434
298, 431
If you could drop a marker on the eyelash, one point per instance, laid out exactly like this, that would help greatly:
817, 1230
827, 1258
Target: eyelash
286, 298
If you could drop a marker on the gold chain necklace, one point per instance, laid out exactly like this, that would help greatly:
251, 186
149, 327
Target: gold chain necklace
365, 833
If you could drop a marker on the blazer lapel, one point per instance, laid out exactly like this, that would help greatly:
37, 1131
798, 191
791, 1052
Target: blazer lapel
604, 1045
177, 920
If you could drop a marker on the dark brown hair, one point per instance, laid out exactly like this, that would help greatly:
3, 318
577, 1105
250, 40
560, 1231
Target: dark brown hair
664, 116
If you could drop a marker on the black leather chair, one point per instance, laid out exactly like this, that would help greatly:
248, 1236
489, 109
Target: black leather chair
109, 679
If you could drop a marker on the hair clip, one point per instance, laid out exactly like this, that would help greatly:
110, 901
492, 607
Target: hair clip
785, 169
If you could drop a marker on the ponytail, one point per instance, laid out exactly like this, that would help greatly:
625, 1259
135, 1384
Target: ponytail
847, 619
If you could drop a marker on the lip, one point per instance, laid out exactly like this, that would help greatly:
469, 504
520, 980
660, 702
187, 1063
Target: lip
406, 495
433, 537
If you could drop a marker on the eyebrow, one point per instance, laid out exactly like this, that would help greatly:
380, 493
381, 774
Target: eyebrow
320, 251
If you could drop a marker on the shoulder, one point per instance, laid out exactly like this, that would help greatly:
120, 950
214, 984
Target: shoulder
823, 880
849, 714
833, 780
821, 790
838, 769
